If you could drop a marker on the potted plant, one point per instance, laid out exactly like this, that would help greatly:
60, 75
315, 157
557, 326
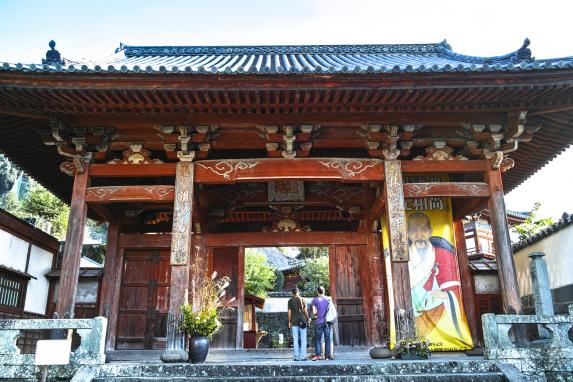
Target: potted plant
412, 347
201, 321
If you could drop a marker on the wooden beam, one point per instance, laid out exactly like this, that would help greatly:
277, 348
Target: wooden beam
454, 189
413, 117
73, 247
316, 169
132, 170
258, 239
443, 166
117, 194
145, 241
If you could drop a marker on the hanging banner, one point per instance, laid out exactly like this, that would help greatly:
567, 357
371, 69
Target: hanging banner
437, 304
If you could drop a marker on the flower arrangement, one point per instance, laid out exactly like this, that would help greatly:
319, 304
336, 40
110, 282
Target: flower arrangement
412, 347
202, 319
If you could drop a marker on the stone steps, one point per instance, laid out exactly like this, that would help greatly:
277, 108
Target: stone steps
335, 371
459, 377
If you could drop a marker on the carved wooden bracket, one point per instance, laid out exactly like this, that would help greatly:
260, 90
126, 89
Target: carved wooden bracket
439, 151
136, 154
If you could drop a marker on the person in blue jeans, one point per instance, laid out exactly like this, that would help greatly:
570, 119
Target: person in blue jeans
319, 309
297, 317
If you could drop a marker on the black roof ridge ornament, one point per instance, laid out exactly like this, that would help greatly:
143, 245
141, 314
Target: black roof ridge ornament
121, 47
523, 53
53, 57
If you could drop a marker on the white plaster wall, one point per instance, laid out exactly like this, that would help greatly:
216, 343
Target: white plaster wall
37, 294
13, 251
558, 249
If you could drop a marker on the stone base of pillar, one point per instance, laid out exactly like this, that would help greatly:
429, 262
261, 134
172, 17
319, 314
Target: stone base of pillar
174, 355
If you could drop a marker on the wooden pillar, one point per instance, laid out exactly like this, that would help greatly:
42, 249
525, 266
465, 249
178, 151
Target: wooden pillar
398, 235
110, 286
199, 267
378, 296
73, 246
240, 297
502, 243
466, 278
180, 255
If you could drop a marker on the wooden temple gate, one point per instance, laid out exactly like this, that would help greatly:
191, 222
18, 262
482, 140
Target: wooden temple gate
147, 278
192, 154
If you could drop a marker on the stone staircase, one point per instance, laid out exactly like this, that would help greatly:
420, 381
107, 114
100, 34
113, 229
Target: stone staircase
327, 371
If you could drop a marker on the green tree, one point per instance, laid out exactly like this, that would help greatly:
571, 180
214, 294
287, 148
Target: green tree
97, 230
43, 204
259, 277
315, 273
312, 252
532, 225
9, 202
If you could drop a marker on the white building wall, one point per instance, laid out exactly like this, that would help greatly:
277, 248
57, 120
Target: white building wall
13, 251
37, 294
557, 248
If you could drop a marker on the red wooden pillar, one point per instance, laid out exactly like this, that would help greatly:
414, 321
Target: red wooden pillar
73, 246
398, 235
466, 278
180, 255
110, 286
502, 243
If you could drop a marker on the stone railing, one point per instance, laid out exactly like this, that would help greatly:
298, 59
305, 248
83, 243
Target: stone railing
90, 352
549, 359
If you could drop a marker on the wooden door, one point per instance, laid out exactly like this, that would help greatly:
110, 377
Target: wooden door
225, 261
346, 289
144, 300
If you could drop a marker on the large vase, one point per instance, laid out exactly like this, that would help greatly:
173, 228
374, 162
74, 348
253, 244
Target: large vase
198, 349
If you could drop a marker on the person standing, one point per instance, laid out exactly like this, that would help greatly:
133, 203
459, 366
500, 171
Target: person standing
319, 309
298, 321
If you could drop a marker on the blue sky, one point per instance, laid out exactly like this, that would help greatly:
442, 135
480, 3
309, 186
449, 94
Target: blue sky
94, 29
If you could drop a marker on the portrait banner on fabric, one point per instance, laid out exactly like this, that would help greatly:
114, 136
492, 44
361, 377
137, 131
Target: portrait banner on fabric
437, 305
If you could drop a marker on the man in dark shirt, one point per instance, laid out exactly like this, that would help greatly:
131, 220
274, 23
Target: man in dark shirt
319, 309
298, 313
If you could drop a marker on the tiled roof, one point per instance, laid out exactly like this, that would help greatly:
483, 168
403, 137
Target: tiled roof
293, 59
279, 260
565, 221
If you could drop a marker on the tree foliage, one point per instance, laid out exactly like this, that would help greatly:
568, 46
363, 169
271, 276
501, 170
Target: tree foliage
315, 274
532, 225
40, 203
8, 174
259, 277
312, 252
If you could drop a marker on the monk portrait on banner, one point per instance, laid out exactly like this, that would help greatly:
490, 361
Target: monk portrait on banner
436, 288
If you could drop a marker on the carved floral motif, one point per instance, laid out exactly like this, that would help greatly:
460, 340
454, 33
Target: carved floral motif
349, 168
228, 168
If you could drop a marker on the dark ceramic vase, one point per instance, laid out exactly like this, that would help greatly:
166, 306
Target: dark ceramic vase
198, 349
